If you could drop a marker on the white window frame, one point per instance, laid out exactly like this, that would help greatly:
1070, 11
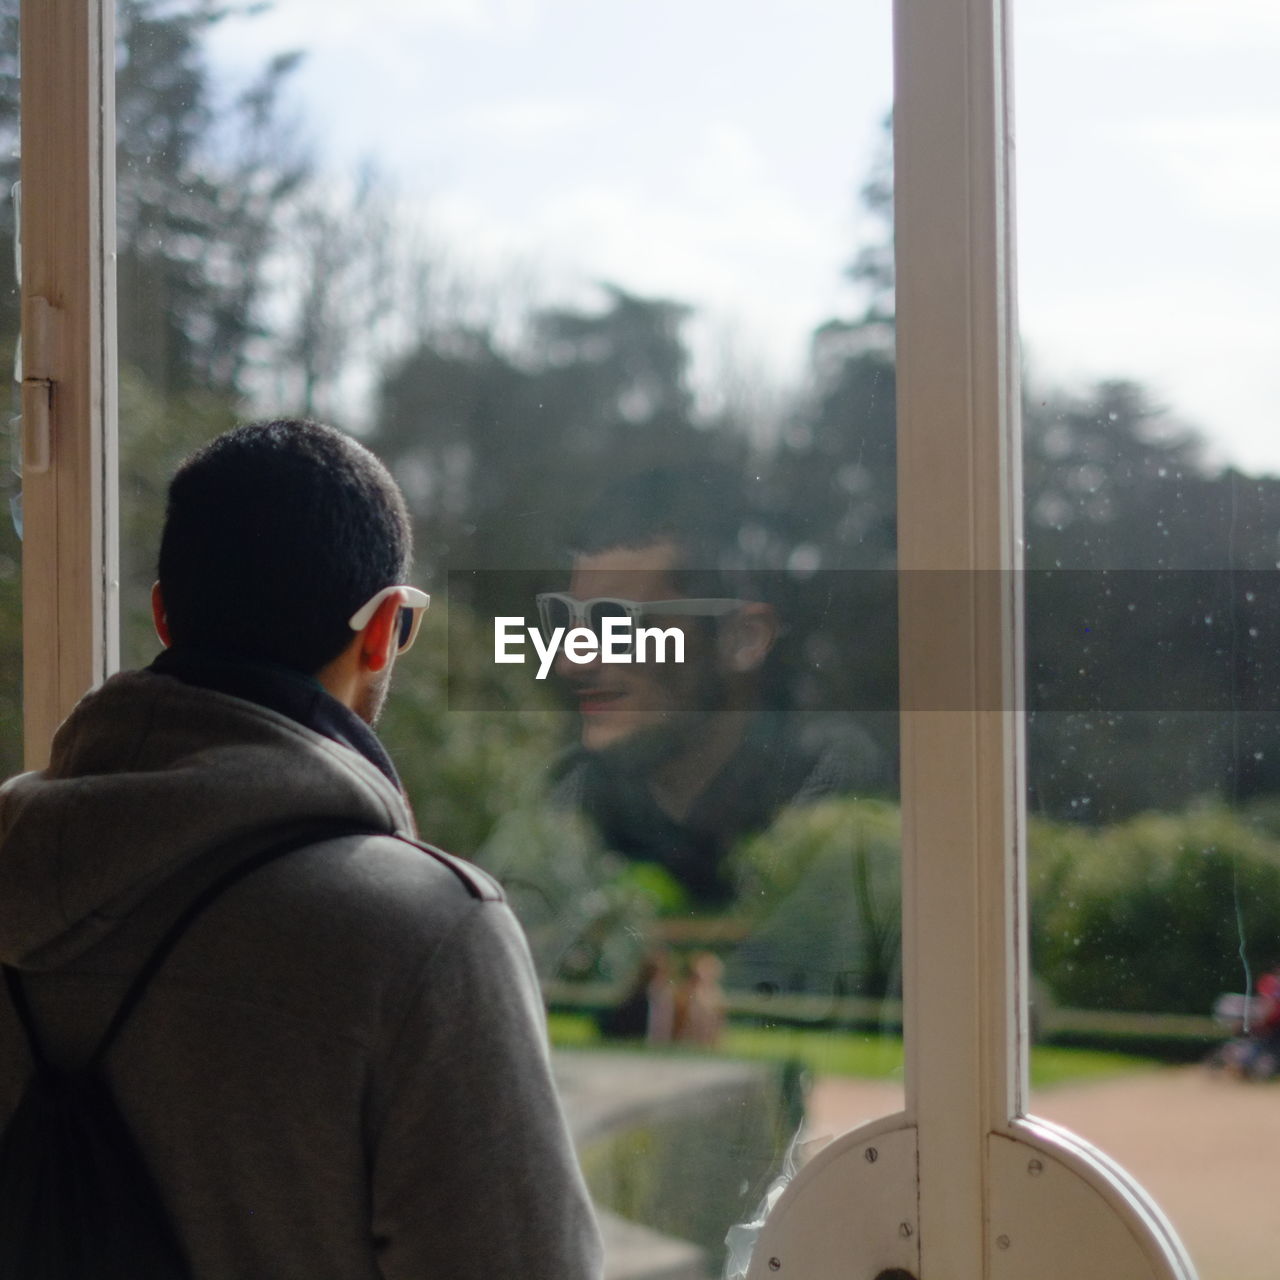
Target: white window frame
963, 1131
959, 500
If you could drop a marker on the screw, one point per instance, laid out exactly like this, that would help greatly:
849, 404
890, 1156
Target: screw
906, 1230
775, 1264
871, 1155
1003, 1242
1035, 1168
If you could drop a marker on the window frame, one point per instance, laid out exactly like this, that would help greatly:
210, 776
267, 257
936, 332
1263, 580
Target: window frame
70, 605
960, 626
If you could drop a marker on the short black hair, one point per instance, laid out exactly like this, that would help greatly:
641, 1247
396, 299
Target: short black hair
275, 534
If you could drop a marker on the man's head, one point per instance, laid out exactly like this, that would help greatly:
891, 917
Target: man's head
669, 535
275, 535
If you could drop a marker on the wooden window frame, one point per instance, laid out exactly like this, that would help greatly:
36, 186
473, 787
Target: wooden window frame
70, 589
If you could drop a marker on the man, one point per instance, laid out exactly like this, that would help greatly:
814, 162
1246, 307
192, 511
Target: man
341, 1069
678, 760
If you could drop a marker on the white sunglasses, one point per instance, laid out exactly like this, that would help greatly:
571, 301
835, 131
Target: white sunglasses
557, 609
412, 607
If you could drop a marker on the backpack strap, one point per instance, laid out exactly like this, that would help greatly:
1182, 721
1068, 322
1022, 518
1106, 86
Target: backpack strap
160, 953
18, 994
314, 834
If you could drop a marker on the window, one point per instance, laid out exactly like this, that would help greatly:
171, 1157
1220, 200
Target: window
963, 970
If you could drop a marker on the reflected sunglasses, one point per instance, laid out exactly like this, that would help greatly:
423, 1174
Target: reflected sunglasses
557, 609
412, 607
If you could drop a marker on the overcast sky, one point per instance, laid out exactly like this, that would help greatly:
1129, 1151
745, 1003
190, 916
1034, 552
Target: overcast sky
711, 151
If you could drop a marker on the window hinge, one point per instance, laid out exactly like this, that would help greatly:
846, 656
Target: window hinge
41, 370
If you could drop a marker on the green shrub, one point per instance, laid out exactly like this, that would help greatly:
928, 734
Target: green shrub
1148, 915
821, 889
1152, 914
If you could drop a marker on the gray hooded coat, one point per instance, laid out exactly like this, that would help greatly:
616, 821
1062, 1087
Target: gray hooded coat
341, 1071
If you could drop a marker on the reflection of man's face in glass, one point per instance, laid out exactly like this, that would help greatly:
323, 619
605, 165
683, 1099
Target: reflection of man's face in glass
651, 711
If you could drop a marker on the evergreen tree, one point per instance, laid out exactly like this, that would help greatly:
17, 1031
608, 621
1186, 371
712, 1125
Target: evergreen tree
198, 190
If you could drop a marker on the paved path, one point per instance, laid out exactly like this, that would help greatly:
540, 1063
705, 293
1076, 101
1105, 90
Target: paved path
1207, 1149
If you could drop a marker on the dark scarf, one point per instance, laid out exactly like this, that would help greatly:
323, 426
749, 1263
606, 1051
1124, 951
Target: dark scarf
278, 689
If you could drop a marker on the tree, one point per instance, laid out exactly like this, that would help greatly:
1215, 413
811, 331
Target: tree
837, 463
873, 266
1107, 476
198, 192
1125, 632
1150, 614
500, 448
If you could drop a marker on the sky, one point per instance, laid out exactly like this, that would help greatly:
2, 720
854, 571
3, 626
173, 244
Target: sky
712, 151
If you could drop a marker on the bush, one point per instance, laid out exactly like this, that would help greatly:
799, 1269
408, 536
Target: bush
1148, 915
821, 890
1152, 914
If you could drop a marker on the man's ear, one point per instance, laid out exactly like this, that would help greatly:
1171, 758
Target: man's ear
379, 639
158, 616
747, 636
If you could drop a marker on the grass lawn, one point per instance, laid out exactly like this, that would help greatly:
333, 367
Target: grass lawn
856, 1053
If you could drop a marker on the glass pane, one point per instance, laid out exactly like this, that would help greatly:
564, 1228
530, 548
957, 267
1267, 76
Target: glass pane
611, 290
1148, 286
10, 464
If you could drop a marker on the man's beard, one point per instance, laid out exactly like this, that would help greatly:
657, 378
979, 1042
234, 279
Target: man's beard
373, 696
655, 744
679, 733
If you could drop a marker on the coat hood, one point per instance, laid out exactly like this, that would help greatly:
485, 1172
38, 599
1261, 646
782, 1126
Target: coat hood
148, 774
